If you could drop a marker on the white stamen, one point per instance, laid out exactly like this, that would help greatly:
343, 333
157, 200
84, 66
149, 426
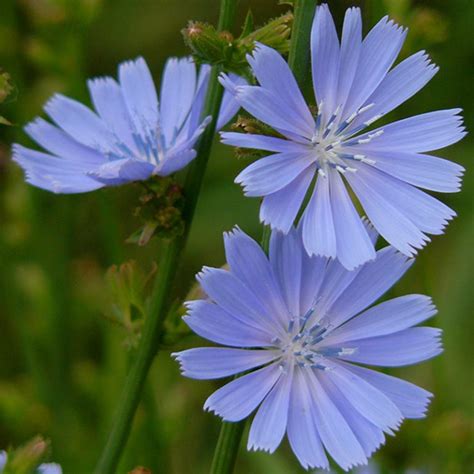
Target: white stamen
372, 120
365, 108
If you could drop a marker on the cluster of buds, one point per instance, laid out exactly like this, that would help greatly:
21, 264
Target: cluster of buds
160, 209
221, 48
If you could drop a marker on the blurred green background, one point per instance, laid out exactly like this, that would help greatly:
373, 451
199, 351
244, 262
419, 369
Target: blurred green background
65, 343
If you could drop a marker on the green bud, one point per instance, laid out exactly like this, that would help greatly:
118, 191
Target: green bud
206, 43
25, 459
276, 34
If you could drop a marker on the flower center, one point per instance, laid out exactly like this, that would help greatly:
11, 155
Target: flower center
332, 135
304, 343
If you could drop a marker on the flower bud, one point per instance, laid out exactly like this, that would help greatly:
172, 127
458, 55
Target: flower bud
206, 43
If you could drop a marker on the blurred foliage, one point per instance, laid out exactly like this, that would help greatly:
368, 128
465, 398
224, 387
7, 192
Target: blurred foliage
68, 323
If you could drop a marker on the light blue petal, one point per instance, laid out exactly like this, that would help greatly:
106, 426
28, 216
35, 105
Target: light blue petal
319, 235
269, 425
334, 431
229, 106
369, 435
273, 110
61, 144
325, 59
80, 122
286, 260
280, 209
365, 398
109, 103
272, 173
194, 117
371, 282
350, 53
213, 323
139, 94
178, 89
410, 399
336, 279
217, 362
49, 468
176, 162
187, 139
119, 172
250, 265
385, 318
236, 400
426, 212
261, 142
418, 134
236, 298
302, 431
354, 246
52, 173
390, 222
313, 272
424, 171
274, 74
402, 348
379, 50
401, 83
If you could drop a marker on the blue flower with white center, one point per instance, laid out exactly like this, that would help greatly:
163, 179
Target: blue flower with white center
299, 325
132, 136
354, 85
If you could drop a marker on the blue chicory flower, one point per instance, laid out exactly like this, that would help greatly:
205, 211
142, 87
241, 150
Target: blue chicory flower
300, 325
354, 85
133, 136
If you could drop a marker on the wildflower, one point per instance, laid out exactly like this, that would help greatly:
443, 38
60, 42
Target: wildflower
300, 325
354, 86
131, 137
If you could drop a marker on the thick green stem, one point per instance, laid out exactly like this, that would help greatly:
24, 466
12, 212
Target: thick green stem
160, 299
230, 435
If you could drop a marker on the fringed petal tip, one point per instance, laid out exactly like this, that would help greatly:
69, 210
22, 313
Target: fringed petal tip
227, 83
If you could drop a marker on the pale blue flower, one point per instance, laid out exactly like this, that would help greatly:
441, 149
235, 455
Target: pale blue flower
354, 85
300, 325
131, 135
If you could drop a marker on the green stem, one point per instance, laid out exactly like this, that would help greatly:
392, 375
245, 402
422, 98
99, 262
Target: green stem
160, 299
299, 56
230, 435
227, 447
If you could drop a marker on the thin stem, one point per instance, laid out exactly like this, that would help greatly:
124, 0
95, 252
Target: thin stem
160, 299
227, 447
230, 435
